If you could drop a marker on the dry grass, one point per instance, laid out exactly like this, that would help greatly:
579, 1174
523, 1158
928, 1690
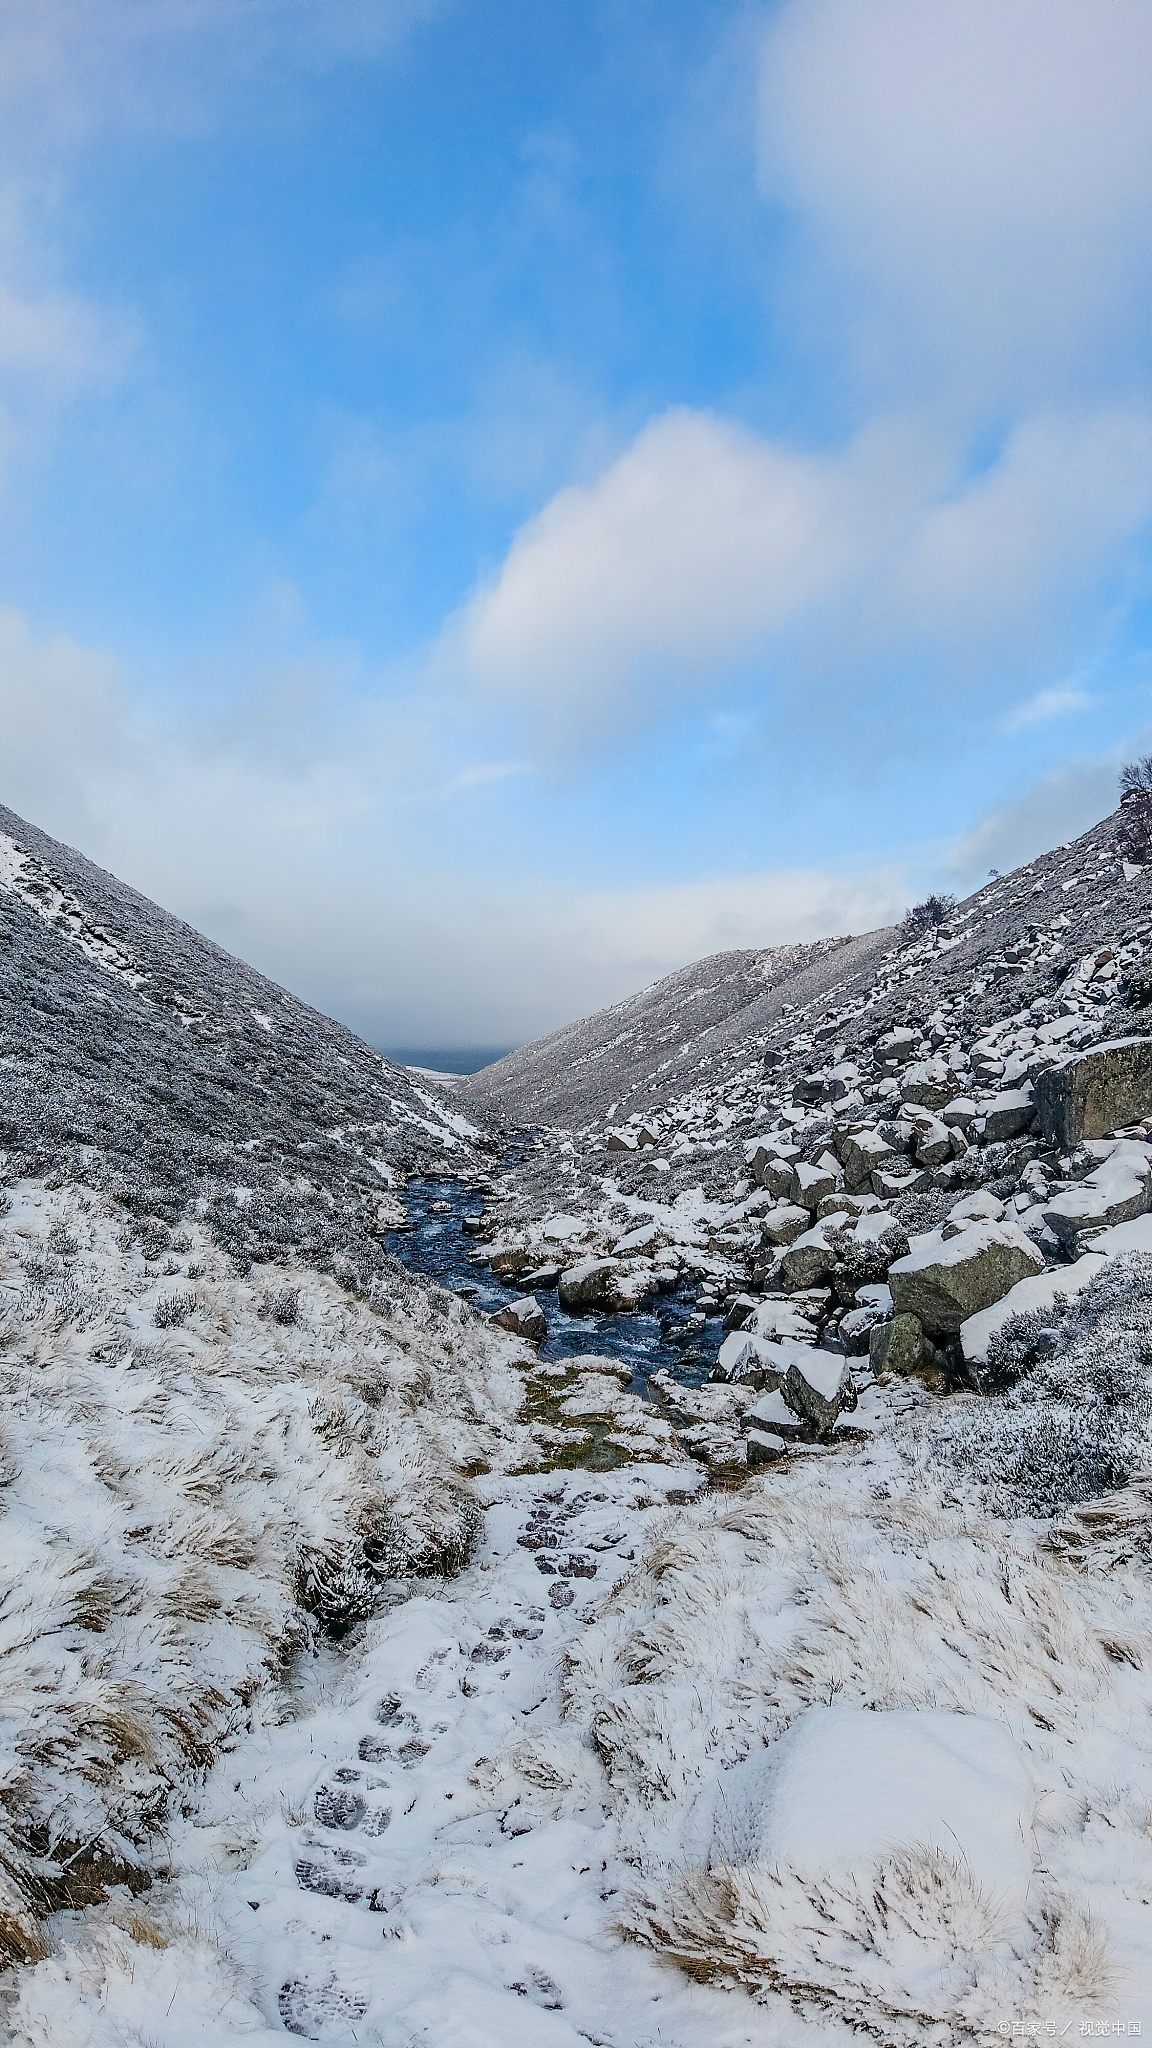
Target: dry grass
182, 1514
742, 1616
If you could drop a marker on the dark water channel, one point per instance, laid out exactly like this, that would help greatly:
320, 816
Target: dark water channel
436, 1246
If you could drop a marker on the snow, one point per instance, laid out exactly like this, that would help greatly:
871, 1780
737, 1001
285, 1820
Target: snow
1038, 1292
843, 1789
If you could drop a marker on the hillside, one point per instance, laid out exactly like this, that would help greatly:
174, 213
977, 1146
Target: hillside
147, 1061
704, 1053
371, 1673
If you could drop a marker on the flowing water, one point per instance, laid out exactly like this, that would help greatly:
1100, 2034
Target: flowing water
436, 1246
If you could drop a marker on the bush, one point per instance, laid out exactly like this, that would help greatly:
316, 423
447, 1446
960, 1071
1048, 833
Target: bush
926, 916
173, 1309
1134, 838
1078, 1421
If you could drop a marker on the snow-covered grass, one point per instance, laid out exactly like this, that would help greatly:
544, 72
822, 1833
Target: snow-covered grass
202, 1473
1077, 1419
868, 1592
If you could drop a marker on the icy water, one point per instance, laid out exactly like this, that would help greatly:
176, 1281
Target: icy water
437, 1247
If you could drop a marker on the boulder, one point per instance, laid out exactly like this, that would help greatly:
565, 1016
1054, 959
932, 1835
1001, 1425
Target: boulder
763, 1447
872, 1305
846, 1205
1006, 1115
933, 1144
944, 1281
807, 1261
864, 1153
509, 1260
1087, 1094
1118, 1190
783, 1226
738, 1311
544, 1277
589, 1285
901, 1346
906, 1180
620, 1141
773, 1413
930, 1082
746, 1360
626, 1290
959, 1113
810, 1184
524, 1318
817, 1387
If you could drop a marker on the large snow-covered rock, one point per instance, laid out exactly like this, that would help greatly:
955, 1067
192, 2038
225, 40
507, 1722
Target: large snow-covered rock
862, 1154
817, 1386
844, 1789
1087, 1094
946, 1280
1117, 1190
524, 1318
588, 1285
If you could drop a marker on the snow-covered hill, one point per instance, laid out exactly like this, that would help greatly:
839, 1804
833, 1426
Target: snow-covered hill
368, 1676
145, 1060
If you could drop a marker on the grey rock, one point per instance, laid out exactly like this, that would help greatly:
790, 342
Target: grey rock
810, 1184
943, 1281
807, 1262
1087, 1094
764, 1447
819, 1389
523, 1318
783, 1226
1119, 1190
862, 1154
1007, 1115
590, 1285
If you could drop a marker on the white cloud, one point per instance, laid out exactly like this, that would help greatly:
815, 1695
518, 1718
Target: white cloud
69, 69
1060, 702
63, 340
1060, 807
700, 539
981, 171
330, 875
703, 543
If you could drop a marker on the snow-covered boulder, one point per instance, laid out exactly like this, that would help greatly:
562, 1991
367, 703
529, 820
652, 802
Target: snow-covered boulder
808, 1260
782, 1226
929, 1082
863, 1153
946, 1280
873, 1304
811, 1183
817, 1386
587, 1286
1087, 1094
1117, 1190
845, 1789
524, 1318
1005, 1116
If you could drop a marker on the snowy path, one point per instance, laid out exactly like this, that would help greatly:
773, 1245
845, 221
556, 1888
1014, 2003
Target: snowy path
364, 1868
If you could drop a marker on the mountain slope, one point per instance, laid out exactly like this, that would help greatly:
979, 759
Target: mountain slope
137, 1055
705, 1055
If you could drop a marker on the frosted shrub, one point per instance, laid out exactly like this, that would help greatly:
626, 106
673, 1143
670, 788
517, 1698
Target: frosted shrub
173, 1309
1078, 1421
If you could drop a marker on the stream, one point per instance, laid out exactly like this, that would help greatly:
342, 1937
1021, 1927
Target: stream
435, 1245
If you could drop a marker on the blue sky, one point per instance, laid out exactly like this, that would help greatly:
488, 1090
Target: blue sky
497, 501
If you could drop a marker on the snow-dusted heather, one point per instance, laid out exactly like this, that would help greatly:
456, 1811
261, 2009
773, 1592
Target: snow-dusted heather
202, 1474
